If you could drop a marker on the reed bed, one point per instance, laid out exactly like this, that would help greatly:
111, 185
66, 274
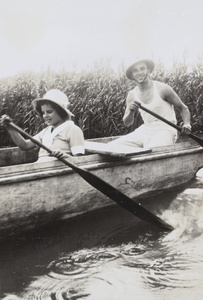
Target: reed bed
97, 97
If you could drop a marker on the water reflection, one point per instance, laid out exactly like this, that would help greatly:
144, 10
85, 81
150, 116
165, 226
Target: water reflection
117, 258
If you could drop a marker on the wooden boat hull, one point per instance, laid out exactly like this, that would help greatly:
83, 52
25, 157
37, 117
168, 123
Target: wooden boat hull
35, 194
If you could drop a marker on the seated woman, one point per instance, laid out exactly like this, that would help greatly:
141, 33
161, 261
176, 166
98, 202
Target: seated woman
61, 135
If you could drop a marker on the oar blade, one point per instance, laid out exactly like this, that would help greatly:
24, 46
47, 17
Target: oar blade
121, 199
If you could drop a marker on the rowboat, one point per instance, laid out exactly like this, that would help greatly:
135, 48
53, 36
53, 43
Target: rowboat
35, 193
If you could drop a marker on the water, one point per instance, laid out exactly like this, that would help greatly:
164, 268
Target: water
112, 255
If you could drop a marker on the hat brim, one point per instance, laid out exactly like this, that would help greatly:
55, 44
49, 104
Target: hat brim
150, 65
36, 101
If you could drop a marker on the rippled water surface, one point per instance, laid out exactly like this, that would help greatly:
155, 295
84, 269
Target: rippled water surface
111, 255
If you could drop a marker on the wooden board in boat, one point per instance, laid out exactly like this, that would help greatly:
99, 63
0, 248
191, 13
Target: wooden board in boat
105, 149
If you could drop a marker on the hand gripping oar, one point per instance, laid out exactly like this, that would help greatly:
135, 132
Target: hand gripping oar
194, 137
105, 188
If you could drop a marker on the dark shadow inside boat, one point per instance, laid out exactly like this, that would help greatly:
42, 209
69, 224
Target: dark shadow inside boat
14, 156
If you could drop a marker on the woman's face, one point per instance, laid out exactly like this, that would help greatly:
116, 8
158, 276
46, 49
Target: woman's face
50, 115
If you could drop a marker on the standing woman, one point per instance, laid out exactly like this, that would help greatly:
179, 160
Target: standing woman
61, 135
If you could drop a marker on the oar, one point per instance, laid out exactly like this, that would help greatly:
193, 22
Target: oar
105, 188
194, 137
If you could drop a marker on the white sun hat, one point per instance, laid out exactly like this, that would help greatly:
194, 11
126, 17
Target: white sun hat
150, 64
55, 96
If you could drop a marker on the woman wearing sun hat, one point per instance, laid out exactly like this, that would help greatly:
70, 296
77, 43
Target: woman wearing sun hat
61, 135
157, 97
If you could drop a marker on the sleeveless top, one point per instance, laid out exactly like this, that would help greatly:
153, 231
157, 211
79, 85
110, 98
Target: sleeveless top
157, 105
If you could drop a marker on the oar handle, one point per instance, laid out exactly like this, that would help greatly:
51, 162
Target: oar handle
194, 137
160, 118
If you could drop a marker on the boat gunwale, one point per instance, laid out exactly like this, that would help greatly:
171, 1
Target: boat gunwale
57, 168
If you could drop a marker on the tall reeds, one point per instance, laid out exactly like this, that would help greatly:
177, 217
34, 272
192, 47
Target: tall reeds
97, 97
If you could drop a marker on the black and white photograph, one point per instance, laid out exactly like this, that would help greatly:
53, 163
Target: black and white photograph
101, 150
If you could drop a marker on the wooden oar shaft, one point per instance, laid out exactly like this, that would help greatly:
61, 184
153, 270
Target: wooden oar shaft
105, 188
194, 137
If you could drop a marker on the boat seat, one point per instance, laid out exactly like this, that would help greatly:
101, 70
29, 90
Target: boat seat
106, 149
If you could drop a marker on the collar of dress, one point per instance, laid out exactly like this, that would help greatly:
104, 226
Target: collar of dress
50, 135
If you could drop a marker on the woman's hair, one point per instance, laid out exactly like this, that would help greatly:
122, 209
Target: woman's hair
62, 113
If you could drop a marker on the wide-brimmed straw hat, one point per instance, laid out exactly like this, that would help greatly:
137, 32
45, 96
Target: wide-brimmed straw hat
150, 65
56, 97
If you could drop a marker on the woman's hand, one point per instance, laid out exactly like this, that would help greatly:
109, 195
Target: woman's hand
5, 120
186, 128
58, 154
